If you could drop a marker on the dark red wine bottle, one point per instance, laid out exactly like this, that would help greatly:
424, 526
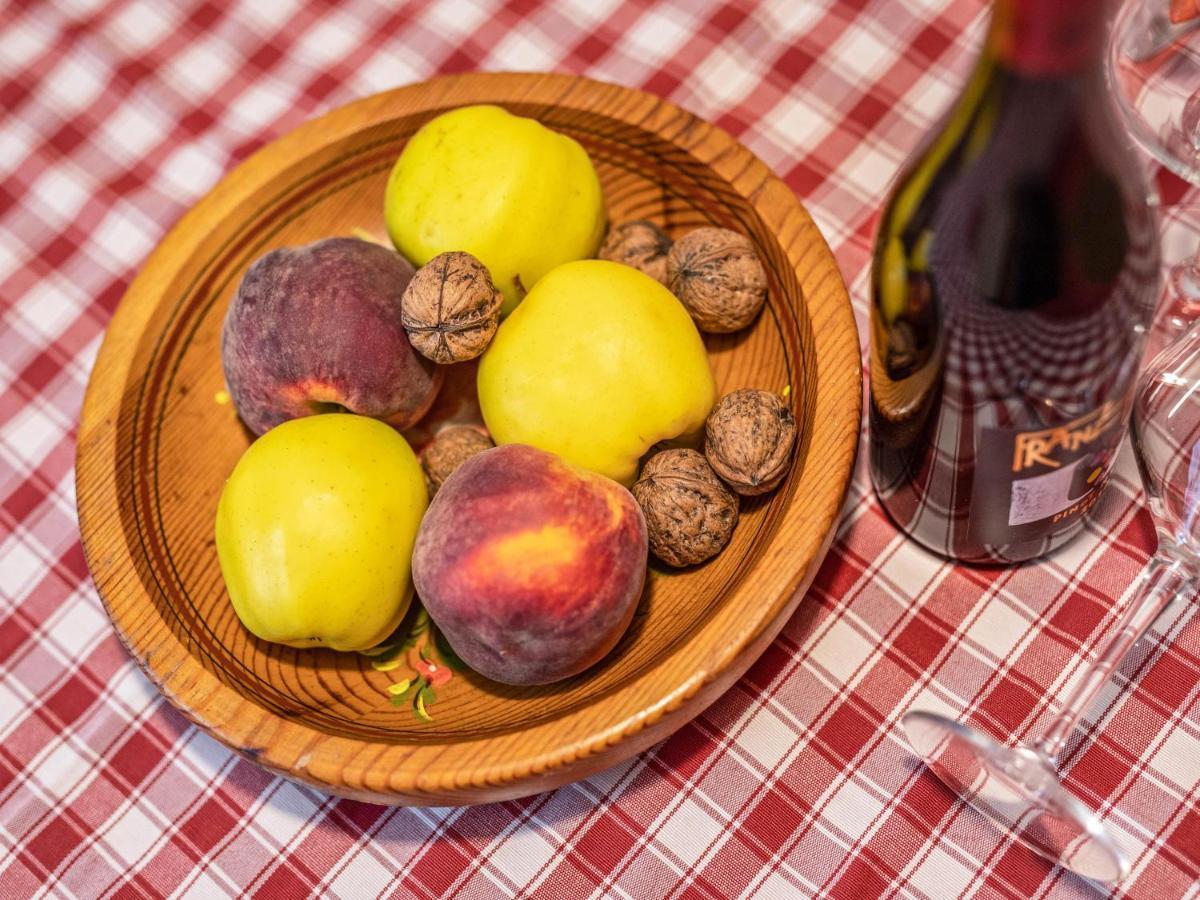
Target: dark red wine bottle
1015, 275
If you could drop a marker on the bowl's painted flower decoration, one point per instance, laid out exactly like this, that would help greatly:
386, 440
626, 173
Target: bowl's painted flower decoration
418, 643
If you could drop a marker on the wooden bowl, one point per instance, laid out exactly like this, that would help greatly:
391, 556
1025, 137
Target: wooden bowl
157, 442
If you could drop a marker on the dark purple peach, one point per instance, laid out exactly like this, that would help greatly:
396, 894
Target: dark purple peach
317, 329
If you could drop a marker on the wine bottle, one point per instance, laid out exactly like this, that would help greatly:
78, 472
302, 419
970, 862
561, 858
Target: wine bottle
1014, 277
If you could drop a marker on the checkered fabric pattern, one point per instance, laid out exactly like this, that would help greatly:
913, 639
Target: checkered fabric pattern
119, 114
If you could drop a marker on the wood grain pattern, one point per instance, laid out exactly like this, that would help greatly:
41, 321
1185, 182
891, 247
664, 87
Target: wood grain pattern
155, 448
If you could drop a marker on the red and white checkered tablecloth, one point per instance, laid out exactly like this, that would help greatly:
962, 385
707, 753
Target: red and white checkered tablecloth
116, 115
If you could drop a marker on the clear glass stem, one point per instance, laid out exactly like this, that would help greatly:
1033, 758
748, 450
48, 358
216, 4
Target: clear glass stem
1162, 579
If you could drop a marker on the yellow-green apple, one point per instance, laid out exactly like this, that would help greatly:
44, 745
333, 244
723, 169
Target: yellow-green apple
517, 195
315, 530
598, 364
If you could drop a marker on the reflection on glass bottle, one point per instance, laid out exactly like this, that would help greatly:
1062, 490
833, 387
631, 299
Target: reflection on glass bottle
1015, 271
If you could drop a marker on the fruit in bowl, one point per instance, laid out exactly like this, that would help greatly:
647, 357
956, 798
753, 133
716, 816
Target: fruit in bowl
316, 329
519, 196
315, 530
599, 363
533, 554
532, 568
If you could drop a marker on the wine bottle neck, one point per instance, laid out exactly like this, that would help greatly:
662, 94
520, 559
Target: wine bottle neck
1048, 37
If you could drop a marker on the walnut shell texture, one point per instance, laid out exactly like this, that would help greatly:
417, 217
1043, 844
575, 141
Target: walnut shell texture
451, 308
690, 514
449, 450
717, 275
748, 440
640, 244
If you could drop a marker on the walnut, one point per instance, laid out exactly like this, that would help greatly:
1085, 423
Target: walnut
690, 514
451, 309
748, 440
450, 449
717, 275
640, 244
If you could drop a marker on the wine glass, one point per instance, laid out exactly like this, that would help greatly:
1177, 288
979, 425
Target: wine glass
1018, 787
1153, 66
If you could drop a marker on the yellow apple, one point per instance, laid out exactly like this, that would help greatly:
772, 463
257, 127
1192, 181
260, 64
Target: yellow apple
599, 363
519, 196
315, 531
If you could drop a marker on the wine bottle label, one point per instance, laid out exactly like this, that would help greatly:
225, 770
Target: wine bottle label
1029, 484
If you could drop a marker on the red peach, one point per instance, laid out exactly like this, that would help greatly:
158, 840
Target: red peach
530, 567
316, 329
